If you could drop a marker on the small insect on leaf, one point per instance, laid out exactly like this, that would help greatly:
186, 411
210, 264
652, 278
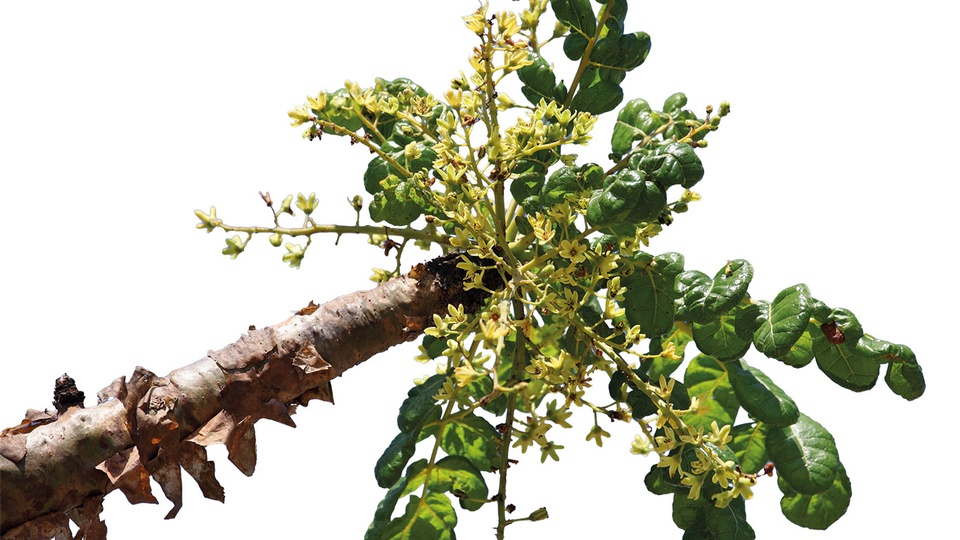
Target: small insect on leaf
832, 332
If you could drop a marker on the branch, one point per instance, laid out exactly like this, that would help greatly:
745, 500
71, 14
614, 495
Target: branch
55, 467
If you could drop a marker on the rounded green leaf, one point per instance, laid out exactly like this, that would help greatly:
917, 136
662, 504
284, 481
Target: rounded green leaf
632, 50
433, 518
387, 206
577, 14
385, 508
729, 287
390, 466
574, 45
730, 522
420, 403
658, 481
749, 444
805, 455
845, 364
783, 321
648, 300
627, 129
707, 379
681, 166
817, 511
905, 379
760, 397
526, 185
847, 324
340, 111
718, 339
570, 182
674, 103
679, 336
452, 474
627, 197
686, 512
538, 79
801, 353
472, 437
600, 97
692, 287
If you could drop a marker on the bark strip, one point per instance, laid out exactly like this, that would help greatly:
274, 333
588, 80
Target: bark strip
57, 467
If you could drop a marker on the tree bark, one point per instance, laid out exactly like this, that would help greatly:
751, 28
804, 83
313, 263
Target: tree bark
59, 467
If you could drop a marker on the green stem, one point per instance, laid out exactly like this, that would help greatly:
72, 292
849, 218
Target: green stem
585, 59
406, 233
519, 359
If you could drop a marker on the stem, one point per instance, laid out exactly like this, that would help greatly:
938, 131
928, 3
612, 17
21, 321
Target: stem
493, 137
585, 59
519, 359
406, 233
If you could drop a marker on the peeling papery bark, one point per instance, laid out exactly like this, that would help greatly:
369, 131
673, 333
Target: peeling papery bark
54, 468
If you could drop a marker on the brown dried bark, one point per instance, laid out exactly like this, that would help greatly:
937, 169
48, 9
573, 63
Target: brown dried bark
55, 467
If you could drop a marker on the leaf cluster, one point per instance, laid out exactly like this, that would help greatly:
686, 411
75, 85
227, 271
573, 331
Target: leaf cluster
576, 298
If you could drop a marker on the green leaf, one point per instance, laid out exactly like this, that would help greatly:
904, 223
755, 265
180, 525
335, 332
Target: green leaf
452, 474
843, 326
574, 45
378, 169
599, 97
760, 397
905, 379
381, 517
388, 206
801, 353
432, 518
626, 197
680, 336
845, 364
729, 523
673, 164
674, 103
817, 511
904, 375
707, 379
783, 321
482, 387
390, 466
718, 339
577, 14
686, 512
729, 287
420, 403
472, 437
658, 481
340, 111
570, 182
805, 455
648, 300
692, 288
749, 445
624, 52
698, 530
627, 129
538, 80
526, 185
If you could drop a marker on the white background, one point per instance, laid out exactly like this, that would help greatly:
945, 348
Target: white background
836, 168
